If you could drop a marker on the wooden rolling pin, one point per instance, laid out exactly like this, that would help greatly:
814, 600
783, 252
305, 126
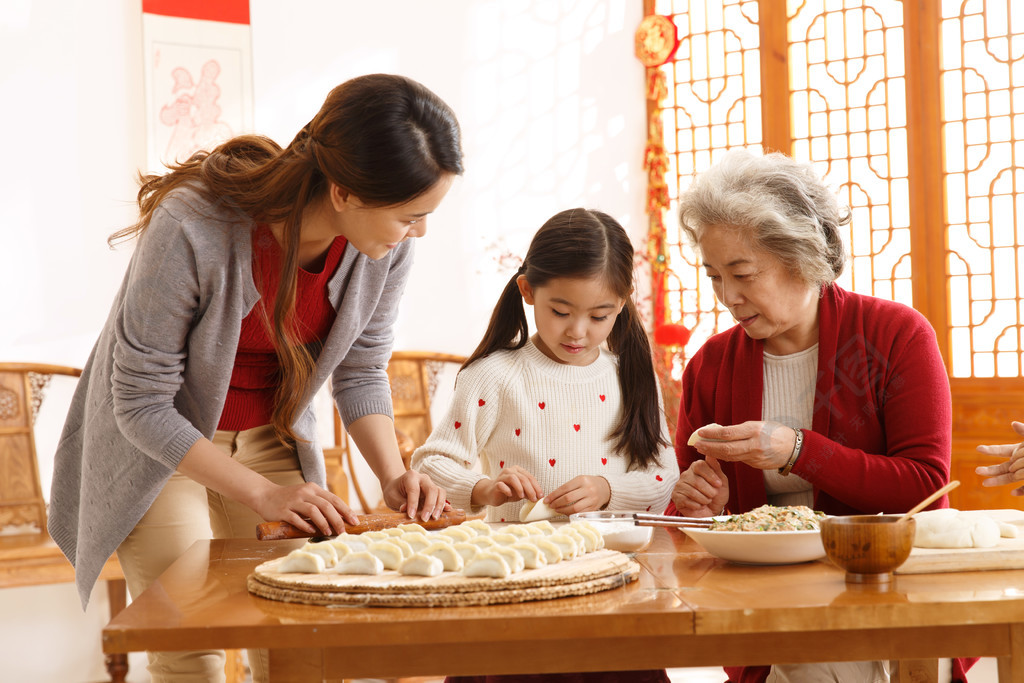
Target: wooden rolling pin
276, 531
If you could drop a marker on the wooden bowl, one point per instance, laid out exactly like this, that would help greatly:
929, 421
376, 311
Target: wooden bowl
868, 547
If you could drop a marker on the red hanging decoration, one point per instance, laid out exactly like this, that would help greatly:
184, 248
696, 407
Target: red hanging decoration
656, 40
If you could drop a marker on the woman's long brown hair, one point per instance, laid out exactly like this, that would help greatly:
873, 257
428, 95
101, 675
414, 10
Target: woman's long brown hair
386, 139
578, 243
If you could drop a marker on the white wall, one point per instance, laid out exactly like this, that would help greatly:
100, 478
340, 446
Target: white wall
551, 103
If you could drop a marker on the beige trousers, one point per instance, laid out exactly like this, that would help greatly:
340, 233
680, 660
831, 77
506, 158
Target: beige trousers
186, 512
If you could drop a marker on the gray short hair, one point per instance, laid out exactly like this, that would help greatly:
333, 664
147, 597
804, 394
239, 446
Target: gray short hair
782, 205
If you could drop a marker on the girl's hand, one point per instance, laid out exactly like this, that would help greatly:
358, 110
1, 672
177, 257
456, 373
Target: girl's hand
764, 445
1009, 472
702, 490
580, 494
414, 491
512, 483
307, 506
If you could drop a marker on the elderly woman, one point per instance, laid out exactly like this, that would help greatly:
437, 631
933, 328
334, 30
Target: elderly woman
819, 396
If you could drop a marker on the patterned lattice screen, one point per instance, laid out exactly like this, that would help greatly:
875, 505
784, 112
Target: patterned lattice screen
982, 71
848, 112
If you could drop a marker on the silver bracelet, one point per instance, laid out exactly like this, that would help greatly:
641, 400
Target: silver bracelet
784, 471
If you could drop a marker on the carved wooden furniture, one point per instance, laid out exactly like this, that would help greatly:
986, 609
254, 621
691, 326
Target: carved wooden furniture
414, 377
28, 556
686, 609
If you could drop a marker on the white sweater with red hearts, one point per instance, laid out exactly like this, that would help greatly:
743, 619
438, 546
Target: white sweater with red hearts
553, 420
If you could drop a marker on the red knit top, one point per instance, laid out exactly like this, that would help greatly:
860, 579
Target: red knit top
256, 373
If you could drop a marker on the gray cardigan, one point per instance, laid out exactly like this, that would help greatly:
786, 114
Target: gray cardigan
156, 381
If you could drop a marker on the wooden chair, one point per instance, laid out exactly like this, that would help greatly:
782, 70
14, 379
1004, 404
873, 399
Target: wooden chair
28, 556
414, 377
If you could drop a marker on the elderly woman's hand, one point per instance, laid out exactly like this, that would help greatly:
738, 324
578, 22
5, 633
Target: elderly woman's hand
1009, 472
764, 445
702, 490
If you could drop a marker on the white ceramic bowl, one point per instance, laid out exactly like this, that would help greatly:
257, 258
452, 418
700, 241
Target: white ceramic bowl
618, 529
761, 547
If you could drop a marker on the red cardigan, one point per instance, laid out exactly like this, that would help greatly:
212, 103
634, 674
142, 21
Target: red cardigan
882, 427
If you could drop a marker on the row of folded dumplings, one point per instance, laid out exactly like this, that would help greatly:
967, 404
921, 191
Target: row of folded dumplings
471, 548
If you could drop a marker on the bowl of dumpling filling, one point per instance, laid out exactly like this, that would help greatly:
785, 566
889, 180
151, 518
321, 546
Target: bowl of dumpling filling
766, 535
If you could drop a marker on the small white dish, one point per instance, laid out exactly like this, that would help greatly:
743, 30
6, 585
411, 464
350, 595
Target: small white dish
760, 547
618, 529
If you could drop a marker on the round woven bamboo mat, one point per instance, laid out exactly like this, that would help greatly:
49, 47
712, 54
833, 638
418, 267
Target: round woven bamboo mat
591, 573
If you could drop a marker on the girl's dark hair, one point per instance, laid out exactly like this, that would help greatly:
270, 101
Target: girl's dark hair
581, 243
386, 139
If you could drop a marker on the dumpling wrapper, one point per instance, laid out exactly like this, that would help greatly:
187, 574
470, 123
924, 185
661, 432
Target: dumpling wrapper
302, 562
694, 438
536, 511
421, 565
360, 562
487, 564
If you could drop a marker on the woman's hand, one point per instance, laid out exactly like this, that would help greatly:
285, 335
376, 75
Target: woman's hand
1009, 472
763, 445
580, 494
702, 490
413, 492
307, 506
512, 483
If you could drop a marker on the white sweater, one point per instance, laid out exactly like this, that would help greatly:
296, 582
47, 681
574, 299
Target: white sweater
553, 420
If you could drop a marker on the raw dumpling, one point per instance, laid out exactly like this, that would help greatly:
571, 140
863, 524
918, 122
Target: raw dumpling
552, 553
483, 542
592, 538
457, 533
418, 540
399, 542
412, 526
694, 438
535, 511
478, 526
567, 544
533, 557
422, 565
487, 564
389, 554
360, 562
301, 562
504, 539
373, 535
512, 558
450, 558
341, 548
324, 550
466, 550
542, 526
520, 530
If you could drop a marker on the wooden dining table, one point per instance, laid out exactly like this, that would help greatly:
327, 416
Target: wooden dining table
686, 609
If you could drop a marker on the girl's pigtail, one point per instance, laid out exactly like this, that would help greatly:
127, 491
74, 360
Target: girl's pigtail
508, 327
639, 433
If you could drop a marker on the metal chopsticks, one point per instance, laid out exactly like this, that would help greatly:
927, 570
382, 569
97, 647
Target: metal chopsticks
648, 519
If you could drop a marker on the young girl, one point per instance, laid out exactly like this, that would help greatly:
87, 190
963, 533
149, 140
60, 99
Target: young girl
259, 274
555, 416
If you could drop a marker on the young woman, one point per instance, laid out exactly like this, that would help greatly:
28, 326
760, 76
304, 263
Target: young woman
259, 274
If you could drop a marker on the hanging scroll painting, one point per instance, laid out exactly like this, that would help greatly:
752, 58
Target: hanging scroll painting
198, 72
